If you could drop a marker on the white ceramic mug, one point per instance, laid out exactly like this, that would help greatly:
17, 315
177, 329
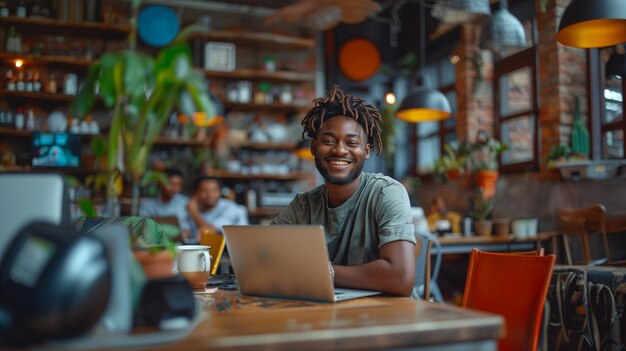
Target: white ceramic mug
194, 263
193, 258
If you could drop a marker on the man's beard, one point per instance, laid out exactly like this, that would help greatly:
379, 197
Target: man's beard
354, 173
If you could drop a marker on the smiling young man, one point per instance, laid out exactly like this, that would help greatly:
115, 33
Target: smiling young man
367, 217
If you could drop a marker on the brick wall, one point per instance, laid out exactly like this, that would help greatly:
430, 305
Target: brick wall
562, 76
474, 85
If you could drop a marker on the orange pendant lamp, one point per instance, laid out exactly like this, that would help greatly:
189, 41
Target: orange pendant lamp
593, 24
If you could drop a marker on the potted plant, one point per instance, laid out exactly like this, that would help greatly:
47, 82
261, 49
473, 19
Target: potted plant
482, 209
141, 92
453, 163
484, 158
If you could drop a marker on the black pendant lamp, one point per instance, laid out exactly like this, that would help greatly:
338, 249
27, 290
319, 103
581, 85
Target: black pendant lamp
303, 149
593, 23
460, 11
423, 104
616, 66
503, 31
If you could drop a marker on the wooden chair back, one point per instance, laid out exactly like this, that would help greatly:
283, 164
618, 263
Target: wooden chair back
583, 222
217, 244
514, 286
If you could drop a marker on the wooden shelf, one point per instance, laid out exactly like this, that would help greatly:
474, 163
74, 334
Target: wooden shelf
254, 74
70, 61
66, 28
176, 142
21, 169
261, 40
38, 95
264, 107
239, 176
268, 146
27, 133
15, 133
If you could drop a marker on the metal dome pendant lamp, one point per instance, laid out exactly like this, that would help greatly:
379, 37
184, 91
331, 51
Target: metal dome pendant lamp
423, 104
593, 24
503, 31
460, 11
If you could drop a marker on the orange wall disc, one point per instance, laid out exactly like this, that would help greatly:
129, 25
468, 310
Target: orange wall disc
359, 59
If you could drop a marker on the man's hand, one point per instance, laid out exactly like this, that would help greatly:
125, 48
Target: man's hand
192, 206
393, 273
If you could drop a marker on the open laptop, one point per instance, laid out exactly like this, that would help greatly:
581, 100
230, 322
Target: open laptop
28, 197
284, 261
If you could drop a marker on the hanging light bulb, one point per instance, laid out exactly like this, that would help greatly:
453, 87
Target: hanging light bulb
19, 63
390, 98
423, 104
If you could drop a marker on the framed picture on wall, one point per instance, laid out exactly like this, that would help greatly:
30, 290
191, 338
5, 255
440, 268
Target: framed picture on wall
219, 56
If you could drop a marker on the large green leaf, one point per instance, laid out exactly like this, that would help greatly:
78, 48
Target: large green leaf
108, 87
165, 61
137, 73
83, 103
185, 34
86, 207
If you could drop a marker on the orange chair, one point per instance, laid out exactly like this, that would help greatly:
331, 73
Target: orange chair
217, 244
514, 286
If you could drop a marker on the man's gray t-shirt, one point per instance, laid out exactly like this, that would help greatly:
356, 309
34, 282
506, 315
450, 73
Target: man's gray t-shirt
378, 213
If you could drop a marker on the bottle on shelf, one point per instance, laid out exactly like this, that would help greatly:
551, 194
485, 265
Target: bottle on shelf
36, 81
270, 63
28, 86
4, 10
51, 87
75, 126
30, 120
10, 80
19, 119
20, 85
21, 9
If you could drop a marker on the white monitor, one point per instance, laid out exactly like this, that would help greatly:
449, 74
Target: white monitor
27, 197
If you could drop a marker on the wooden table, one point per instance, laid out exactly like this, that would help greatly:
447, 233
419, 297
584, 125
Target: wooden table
235, 322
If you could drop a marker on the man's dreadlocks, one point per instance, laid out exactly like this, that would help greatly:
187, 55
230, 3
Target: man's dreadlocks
338, 103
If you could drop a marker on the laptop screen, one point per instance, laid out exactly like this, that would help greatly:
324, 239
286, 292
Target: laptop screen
31, 197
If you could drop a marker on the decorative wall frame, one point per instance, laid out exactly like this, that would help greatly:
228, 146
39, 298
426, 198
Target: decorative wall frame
219, 56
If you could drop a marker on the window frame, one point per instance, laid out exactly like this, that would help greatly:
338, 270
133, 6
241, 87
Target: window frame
613, 125
517, 61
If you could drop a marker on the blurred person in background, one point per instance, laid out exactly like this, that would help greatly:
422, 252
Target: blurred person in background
208, 211
169, 202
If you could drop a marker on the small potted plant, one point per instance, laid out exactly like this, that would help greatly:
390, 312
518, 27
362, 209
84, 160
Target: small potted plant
482, 210
453, 163
484, 159
153, 245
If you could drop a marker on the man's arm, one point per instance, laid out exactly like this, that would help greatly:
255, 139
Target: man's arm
196, 217
393, 273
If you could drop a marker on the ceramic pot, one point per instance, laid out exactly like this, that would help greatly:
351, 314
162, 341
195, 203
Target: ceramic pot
501, 227
486, 180
483, 227
155, 265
